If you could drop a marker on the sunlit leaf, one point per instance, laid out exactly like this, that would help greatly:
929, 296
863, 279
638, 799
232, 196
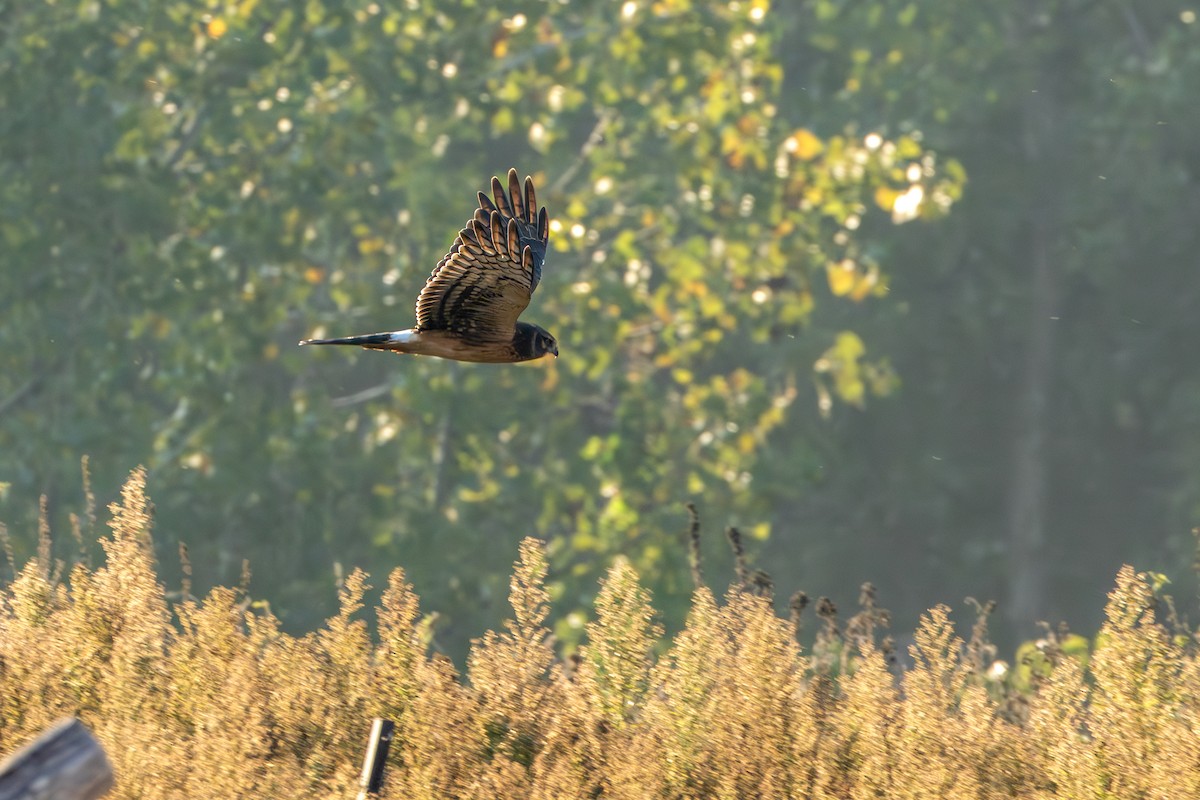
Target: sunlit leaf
885, 197
843, 276
805, 144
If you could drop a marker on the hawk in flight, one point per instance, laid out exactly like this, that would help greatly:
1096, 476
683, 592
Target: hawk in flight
469, 307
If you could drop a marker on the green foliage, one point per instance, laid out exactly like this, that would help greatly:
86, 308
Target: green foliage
1071, 253
219, 702
190, 192
185, 191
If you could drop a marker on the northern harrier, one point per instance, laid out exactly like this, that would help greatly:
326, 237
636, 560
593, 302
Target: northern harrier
469, 307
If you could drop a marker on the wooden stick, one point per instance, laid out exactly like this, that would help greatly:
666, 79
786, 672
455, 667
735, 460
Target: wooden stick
373, 764
65, 762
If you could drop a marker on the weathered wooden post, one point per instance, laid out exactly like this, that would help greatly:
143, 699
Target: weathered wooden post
373, 764
64, 763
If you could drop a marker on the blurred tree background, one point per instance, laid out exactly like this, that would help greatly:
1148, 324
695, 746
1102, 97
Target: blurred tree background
1000, 398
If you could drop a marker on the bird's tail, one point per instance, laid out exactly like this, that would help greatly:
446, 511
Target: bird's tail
373, 341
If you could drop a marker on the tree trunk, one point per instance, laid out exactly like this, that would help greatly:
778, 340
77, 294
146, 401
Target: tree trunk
1028, 488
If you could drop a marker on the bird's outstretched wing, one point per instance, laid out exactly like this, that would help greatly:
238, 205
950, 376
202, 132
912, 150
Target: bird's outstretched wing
483, 284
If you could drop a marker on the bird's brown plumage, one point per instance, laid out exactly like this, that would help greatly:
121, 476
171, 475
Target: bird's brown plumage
468, 308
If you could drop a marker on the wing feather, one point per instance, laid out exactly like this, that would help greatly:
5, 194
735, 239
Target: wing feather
503, 203
481, 286
530, 199
499, 240
513, 241
514, 191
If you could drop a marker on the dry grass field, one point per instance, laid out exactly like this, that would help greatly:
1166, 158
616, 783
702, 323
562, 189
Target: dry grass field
210, 699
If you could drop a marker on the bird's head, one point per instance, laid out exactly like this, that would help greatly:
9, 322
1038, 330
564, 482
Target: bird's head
544, 343
534, 341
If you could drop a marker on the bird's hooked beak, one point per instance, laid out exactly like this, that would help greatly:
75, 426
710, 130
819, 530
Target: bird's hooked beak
554, 350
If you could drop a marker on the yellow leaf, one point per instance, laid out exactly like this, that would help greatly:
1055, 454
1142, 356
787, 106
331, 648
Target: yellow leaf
851, 388
848, 347
865, 284
907, 148
314, 274
502, 120
372, 245
730, 140
804, 144
842, 277
885, 197
217, 28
